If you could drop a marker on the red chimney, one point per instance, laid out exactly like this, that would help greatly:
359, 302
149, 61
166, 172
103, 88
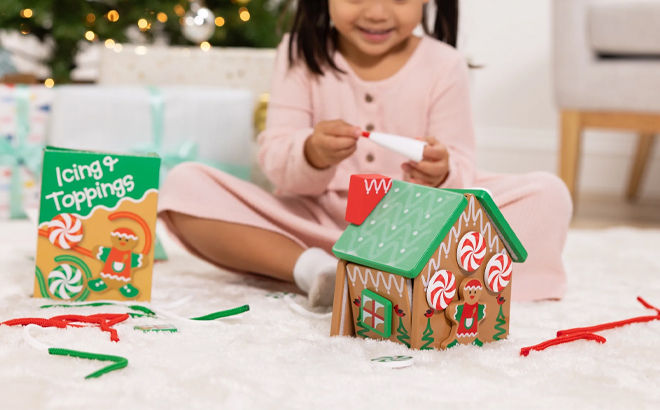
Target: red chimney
365, 192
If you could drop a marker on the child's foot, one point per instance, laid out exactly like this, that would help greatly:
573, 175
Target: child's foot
314, 273
323, 289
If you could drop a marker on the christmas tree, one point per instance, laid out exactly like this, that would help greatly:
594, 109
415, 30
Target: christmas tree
363, 332
403, 333
67, 24
402, 336
428, 332
501, 320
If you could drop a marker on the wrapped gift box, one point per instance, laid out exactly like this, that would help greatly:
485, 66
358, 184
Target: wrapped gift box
218, 121
22, 133
29, 191
236, 68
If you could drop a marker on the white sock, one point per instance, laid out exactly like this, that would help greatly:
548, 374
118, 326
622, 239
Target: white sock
314, 273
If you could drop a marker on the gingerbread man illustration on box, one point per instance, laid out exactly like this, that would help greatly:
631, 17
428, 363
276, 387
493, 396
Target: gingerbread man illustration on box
119, 263
466, 314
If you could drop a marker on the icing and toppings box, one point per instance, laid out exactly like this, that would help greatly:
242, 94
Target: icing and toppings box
97, 224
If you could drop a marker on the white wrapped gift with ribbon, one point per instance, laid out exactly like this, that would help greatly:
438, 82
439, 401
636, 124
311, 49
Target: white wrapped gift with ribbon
212, 125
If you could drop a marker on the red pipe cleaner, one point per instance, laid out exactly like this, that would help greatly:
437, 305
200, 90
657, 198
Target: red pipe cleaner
570, 335
105, 321
647, 304
607, 326
613, 325
36, 321
561, 340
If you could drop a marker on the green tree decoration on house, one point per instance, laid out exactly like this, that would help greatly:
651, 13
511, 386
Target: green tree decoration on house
501, 320
67, 24
402, 336
428, 332
363, 332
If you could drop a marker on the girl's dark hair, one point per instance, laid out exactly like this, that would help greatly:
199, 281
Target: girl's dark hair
313, 40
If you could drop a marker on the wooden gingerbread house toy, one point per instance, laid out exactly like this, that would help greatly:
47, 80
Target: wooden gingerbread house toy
429, 268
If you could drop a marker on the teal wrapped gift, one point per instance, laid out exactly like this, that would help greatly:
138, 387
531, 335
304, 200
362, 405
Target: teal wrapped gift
23, 116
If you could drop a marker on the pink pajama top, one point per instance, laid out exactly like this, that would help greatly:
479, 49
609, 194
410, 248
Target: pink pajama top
428, 96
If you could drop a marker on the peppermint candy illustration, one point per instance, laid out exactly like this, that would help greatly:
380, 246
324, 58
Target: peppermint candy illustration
394, 362
65, 231
498, 272
471, 251
65, 281
441, 290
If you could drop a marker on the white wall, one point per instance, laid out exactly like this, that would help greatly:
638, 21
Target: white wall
514, 111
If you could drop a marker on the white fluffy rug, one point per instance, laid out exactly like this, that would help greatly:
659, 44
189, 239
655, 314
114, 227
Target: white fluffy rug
275, 357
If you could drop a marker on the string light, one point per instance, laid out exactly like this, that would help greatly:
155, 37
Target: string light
142, 24
179, 10
162, 17
244, 14
219, 21
90, 35
24, 29
205, 46
113, 15
49, 83
91, 18
110, 43
118, 47
26, 13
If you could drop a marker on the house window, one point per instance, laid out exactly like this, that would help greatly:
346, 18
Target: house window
376, 313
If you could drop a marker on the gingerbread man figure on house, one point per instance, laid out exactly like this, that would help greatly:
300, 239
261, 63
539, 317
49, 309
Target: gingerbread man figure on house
466, 314
120, 263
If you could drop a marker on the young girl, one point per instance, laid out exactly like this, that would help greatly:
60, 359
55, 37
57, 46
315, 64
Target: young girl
348, 66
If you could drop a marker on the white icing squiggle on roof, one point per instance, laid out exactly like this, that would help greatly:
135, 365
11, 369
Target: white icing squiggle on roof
377, 185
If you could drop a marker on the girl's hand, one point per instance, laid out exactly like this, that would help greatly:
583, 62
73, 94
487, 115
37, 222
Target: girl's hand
433, 169
331, 143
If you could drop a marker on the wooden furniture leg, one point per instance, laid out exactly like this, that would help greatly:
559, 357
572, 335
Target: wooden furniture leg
644, 145
569, 156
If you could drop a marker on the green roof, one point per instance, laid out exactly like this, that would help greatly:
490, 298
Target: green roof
511, 242
407, 226
402, 232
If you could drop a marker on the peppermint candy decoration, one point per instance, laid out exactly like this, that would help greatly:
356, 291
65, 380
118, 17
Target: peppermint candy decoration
471, 251
65, 281
498, 272
441, 290
65, 231
394, 362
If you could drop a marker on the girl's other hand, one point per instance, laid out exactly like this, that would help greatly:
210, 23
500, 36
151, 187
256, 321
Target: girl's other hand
330, 143
433, 169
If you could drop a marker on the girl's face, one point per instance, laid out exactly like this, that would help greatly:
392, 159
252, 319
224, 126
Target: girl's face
376, 26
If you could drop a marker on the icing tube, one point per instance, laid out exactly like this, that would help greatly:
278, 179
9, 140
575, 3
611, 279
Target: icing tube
410, 148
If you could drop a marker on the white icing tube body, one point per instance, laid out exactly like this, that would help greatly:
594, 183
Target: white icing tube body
410, 148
